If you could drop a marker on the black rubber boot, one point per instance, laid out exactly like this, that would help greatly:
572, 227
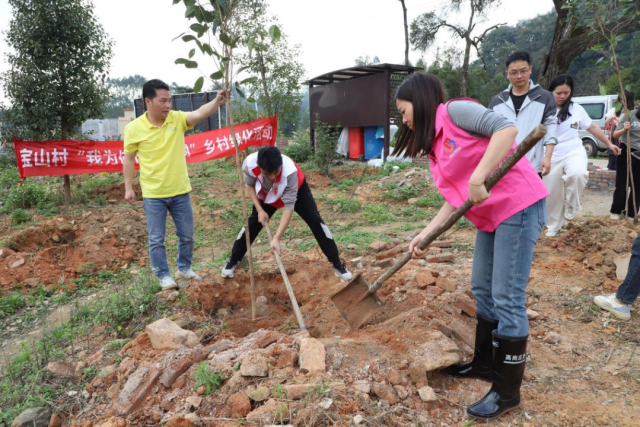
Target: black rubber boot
509, 355
480, 366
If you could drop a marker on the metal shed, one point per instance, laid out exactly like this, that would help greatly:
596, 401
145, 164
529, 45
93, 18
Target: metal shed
358, 96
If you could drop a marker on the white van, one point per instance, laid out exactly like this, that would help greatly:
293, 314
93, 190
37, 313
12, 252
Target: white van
596, 107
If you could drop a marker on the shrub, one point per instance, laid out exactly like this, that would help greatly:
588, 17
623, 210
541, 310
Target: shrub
326, 142
30, 195
208, 378
20, 216
299, 148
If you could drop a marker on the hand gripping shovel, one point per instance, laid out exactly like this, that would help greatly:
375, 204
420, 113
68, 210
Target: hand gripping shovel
358, 301
292, 297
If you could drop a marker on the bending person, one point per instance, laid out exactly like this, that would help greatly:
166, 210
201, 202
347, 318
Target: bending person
275, 181
465, 143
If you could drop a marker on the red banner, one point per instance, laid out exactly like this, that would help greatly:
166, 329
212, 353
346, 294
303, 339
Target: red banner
76, 157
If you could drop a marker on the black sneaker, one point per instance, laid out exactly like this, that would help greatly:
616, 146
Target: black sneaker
342, 272
229, 269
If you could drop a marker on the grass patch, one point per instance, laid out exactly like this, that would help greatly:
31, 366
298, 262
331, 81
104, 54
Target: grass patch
344, 204
432, 200
344, 184
360, 238
26, 382
375, 214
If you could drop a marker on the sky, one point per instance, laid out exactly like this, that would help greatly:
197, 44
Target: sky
331, 33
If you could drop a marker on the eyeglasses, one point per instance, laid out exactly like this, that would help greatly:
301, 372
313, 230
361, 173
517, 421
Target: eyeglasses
522, 73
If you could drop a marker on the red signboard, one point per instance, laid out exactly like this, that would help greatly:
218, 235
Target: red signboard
76, 157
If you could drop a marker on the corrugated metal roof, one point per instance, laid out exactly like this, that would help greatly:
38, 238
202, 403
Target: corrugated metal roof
357, 72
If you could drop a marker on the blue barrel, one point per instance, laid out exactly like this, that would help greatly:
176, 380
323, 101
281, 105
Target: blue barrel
372, 146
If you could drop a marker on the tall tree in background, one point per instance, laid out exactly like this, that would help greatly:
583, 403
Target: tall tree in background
58, 74
363, 61
406, 33
425, 28
572, 35
122, 93
273, 60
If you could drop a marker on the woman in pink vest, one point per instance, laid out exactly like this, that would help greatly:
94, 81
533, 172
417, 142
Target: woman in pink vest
465, 143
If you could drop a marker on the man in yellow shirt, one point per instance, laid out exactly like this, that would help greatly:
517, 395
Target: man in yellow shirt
157, 137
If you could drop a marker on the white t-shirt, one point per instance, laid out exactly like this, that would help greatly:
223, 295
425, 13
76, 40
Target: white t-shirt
567, 132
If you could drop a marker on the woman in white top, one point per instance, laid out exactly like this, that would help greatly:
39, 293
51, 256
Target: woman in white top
568, 175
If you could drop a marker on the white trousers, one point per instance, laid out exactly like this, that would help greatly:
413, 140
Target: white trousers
566, 182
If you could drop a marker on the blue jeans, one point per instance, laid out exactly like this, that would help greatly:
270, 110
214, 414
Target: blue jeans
629, 289
180, 209
501, 266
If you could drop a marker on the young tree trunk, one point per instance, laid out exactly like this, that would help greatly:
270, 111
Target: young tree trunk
66, 178
245, 217
406, 34
465, 69
263, 77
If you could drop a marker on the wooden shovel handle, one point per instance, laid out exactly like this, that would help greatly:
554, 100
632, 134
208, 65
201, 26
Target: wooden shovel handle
287, 284
527, 144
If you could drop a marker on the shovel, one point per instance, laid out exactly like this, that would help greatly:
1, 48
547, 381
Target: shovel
358, 302
287, 284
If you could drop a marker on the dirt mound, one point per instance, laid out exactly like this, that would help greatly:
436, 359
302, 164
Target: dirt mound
61, 249
386, 358
115, 193
594, 243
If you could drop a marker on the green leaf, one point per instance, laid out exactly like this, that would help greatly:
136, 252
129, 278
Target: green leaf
597, 47
250, 44
617, 105
190, 12
217, 75
191, 64
274, 33
225, 59
249, 80
176, 1
603, 90
225, 39
188, 38
191, 53
208, 16
241, 69
199, 28
181, 61
240, 91
198, 85
177, 37
251, 99
206, 49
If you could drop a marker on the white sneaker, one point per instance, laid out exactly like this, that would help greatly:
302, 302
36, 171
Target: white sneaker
569, 214
614, 217
551, 233
611, 304
167, 282
188, 274
342, 272
229, 270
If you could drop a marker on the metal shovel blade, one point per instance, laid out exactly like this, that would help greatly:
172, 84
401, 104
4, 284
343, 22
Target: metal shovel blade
356, 304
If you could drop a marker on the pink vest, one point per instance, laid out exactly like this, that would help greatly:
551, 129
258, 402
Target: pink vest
274, 195
454, 157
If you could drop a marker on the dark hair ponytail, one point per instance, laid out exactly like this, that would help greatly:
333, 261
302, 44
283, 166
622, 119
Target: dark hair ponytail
426, 93
564, 113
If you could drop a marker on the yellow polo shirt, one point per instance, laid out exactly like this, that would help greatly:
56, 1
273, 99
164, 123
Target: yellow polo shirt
163, 164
